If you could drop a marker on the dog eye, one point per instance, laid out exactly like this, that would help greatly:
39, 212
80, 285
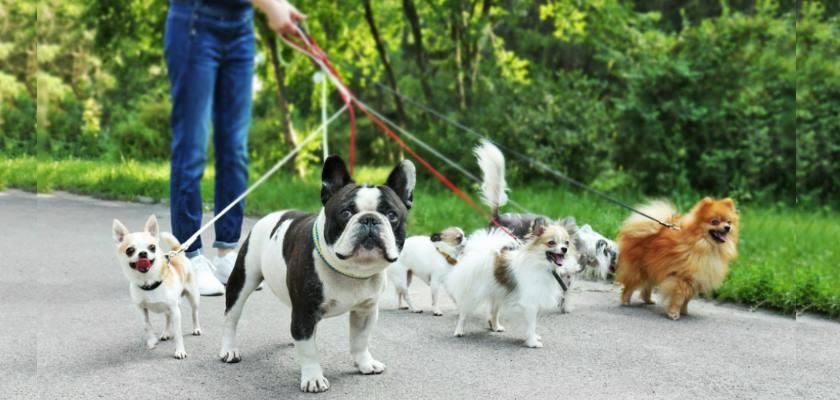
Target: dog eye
152, 248
552, 243
392, 216
346, 213
715, 221
129, 251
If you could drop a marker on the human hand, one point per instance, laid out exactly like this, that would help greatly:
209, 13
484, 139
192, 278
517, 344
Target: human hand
282, 15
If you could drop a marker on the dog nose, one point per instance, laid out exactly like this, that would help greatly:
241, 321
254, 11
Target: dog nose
143, 254
369, 220
564, 249
727, 228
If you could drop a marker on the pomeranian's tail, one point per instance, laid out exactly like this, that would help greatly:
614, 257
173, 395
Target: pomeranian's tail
170, 241
638, 226
493, 186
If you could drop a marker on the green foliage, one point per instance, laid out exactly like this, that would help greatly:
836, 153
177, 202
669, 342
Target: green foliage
657, 97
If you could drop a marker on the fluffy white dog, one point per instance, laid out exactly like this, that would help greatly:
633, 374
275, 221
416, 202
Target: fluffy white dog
429, 258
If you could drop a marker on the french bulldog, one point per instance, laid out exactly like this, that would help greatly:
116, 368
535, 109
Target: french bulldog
326, 264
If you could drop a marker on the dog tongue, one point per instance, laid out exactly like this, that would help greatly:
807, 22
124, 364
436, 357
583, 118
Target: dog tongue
143, 263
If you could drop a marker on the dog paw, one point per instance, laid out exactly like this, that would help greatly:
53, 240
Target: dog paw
403, 308
164, 337
674, 316
151, 343
534, 344
230, 356
437, 313
180, 354
313, 382
459, 333
371, 367
649, 302
196, 332
417, 311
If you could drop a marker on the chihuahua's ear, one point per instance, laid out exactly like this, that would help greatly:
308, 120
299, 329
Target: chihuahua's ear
334, 176
538, 227
435, 237
729, 203
152, 225
570, 224
119, 231
402, 180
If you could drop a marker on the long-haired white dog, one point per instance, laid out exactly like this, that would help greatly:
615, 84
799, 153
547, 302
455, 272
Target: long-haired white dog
497, 270
430, 259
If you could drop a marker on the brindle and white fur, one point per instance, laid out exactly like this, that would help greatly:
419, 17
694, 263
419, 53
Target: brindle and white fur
144, 264
361, 230
430, 259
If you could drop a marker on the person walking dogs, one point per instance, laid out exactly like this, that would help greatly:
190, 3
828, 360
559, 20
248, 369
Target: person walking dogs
209, 49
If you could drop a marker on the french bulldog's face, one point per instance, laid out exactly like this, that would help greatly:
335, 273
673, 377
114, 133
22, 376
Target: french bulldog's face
364, 226
138, 253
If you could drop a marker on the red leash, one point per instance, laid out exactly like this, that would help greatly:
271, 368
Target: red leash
349, 98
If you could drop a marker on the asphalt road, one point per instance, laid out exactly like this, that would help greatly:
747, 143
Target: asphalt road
67, 331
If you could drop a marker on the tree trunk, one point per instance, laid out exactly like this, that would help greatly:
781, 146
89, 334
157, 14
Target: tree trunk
410, 12
383, 56
280, 77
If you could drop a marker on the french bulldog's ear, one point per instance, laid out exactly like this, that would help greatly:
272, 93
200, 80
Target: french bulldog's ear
435, 237
119, 232
152, 225
402, 180
538, 227
334, 176
570, 224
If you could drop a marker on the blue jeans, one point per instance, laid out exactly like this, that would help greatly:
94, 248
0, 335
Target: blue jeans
210, 59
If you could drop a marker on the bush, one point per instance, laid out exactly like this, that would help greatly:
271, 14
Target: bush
142, 131
17, 121
711, 109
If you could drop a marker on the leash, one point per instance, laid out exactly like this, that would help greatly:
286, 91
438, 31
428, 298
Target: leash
560, 281
260, 181
311, 49
522, 157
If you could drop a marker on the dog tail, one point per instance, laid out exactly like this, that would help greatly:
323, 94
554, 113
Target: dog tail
493, 186
638, 226
170, 241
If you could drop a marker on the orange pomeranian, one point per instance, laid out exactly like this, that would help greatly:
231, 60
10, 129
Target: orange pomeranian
684, 262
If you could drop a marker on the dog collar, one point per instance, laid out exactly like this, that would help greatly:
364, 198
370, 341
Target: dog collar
560, 280
451, 260
317, 241
153, 286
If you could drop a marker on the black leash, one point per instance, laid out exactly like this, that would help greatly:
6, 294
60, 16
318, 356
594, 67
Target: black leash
522, 157
560, 281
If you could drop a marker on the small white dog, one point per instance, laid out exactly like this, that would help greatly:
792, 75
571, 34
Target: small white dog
429, 258
497, 269
157, 284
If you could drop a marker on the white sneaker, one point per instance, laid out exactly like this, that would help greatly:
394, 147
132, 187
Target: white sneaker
224, 266
208, 285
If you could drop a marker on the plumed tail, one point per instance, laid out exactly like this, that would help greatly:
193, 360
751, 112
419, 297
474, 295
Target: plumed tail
170, 241
494, 188
639, 226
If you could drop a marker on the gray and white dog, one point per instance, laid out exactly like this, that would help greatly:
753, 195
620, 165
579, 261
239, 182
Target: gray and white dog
324, 265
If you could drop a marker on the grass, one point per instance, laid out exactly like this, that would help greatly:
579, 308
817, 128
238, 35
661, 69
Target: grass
787, 258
